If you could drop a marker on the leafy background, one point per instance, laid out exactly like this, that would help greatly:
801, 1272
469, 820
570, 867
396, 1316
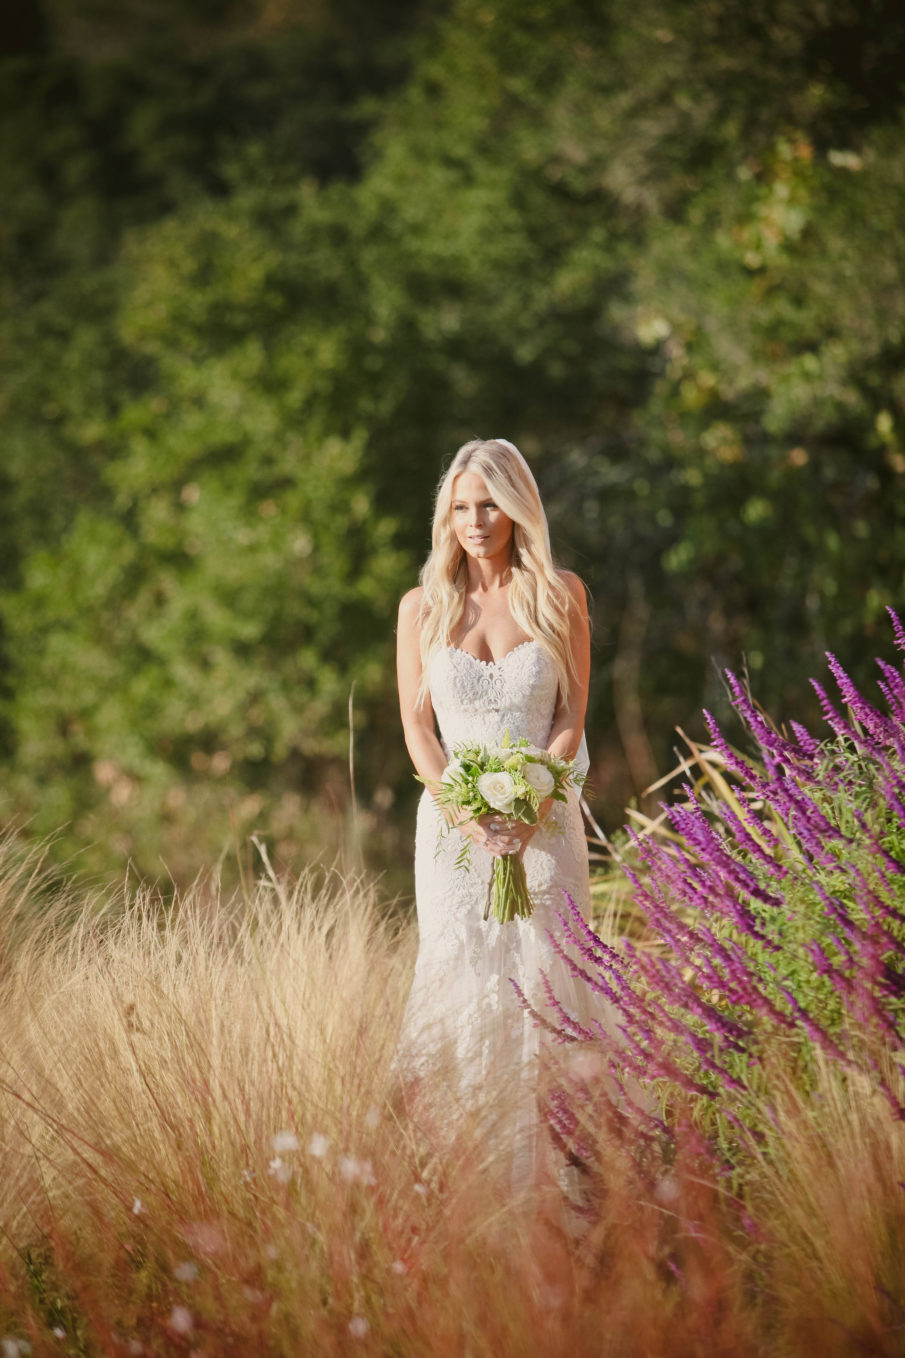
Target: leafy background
266, 264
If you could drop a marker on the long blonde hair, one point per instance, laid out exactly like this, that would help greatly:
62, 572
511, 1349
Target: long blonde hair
538, 598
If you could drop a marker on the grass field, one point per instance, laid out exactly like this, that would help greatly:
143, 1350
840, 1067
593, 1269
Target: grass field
205, 1151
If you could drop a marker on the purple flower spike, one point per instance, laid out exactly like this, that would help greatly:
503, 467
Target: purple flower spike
809, 745
868, 716
775, 923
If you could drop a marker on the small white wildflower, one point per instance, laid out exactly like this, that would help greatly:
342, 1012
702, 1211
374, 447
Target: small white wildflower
358, 1327
353, 1170
667, 1190
186, 1272
280, 1170
285, 1141
137, 1207
421, 1190
181, 1319
17, 1348
247, 1176
318, 1145
204, 1237
399, 1266
372, 1117
58, 1332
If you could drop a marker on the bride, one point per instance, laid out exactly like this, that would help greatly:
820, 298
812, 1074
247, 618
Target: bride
494, 639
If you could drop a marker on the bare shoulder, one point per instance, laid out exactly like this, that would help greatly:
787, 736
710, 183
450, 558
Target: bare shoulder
410, 607
575, 585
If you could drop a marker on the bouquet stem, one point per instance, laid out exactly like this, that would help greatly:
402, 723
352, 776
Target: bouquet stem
507, 893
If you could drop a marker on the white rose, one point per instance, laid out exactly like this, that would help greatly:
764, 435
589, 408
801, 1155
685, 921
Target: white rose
498, 790
539, 777
453, 771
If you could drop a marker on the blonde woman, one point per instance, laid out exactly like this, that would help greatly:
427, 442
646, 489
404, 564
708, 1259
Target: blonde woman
494, 639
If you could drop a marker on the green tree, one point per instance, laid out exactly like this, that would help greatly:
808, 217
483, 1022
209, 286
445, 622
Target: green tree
249, 308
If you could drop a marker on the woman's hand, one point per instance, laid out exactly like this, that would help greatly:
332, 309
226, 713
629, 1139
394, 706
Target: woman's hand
492, 833
499, 836
525, 833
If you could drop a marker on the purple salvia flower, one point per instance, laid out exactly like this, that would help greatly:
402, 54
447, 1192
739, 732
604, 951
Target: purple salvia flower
698, 832
669, 1028
872, 721
894, 688
766, 737
539, 1020
733, 762
570, 1026
599, 982
594, 941
813, 1029
641, 1049
808, 744
830, 715
876, 907
893, 802
821, 961
747, 841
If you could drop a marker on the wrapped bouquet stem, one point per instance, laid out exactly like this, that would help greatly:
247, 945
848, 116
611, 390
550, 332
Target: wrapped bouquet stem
507, 893
510, 779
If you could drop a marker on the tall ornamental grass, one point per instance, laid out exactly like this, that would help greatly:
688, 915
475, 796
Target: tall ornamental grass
207, 1149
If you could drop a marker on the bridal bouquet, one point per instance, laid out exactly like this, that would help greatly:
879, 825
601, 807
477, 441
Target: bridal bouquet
512, 779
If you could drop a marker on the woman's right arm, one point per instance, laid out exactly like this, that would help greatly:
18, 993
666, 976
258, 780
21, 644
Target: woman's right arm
418, 724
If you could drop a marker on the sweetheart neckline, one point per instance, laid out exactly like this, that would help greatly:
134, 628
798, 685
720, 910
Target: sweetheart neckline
493, 664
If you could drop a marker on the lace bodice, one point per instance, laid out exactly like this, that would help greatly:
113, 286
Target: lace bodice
480, 700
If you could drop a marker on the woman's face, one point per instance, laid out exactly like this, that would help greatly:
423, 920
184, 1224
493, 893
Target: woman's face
478, 523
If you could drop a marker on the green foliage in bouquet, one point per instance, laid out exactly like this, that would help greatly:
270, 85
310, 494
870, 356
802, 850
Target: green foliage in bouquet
512, 779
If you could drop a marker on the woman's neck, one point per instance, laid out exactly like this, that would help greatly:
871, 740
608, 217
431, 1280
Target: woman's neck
488, 576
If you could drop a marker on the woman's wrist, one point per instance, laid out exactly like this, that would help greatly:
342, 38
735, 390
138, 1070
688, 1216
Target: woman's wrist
457, 819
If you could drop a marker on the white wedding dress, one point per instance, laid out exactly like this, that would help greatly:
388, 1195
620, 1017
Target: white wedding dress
462, 1010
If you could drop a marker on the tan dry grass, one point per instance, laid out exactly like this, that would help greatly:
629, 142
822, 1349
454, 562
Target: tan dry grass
151, 1055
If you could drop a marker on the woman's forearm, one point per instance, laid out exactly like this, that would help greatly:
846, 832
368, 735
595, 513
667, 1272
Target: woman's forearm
426, 753
565, 736
429, 758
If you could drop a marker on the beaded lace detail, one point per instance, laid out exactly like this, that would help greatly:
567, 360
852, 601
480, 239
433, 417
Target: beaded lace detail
480, 700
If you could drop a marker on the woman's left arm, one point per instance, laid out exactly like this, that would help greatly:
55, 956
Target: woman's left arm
568, 722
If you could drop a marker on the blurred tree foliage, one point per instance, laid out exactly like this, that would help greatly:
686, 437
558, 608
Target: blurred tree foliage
266, 266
